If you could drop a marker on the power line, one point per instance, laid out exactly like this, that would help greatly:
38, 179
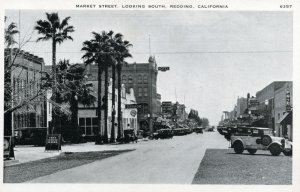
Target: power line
182, 52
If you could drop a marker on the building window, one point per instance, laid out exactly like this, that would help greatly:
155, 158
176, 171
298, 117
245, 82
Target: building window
145, 79
278, 115
88, 126
145, 91
124, 79
140, 91
130, 79
140, 80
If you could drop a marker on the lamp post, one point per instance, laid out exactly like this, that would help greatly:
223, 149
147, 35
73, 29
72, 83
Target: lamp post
266, 116
249, 117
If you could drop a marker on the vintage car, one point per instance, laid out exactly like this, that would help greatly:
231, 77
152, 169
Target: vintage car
258, 138
31, 136
129, 136
198, 130
165, 133
180, 131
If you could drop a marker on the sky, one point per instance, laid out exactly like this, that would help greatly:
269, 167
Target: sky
214, 56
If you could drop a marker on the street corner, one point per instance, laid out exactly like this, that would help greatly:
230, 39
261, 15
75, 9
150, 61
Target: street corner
223, 166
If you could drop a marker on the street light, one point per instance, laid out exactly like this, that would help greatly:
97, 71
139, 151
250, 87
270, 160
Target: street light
266, 117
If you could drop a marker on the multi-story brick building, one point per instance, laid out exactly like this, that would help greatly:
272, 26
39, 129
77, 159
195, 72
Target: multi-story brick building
26, 73
142, 78
266, 102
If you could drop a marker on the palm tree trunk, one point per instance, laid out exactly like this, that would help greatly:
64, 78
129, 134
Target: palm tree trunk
119, 69
54, 89
99, 132
113, 100
105, 137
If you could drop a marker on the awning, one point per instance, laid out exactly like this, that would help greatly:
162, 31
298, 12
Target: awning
283, 117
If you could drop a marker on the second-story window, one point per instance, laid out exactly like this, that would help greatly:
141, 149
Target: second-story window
130, 80
140, 80
145, 79
124, 79
140, 92
145, 92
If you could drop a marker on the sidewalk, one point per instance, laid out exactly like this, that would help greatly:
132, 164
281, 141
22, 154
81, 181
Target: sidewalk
27, 153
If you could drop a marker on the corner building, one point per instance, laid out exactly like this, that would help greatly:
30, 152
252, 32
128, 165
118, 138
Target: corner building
142, 78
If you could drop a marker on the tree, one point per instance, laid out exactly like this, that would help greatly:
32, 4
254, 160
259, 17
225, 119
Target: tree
98, 51
72, 90
9, 34
56, 31
122, 50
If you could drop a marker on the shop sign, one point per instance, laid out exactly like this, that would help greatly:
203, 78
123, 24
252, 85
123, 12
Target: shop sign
53, 142
163, 69
288, 108
8, 149
133, 113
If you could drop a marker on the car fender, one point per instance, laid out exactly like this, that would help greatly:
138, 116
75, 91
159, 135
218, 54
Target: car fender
236, 140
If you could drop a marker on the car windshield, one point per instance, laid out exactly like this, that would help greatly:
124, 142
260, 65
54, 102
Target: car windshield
268, 132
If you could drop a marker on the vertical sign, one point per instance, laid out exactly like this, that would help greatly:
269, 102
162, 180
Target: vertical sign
288, 100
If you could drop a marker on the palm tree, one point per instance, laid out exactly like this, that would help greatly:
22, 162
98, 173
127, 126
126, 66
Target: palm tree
72, 85
97, 51
58, 32
122, 50
9, 34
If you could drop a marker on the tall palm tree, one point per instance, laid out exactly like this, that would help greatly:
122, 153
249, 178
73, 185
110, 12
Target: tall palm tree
58, 32
97, 51
9, 34
122, 50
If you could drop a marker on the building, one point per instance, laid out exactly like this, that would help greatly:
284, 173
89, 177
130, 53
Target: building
87, 115
241, 106
142, 78
283, 110
26, 73
266, 103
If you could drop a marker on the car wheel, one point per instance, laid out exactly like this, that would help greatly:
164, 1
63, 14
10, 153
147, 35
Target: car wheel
238, 147
275, 150
287, 153
266, 140
252, 151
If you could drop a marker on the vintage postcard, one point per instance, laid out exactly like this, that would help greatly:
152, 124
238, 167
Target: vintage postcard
150, 95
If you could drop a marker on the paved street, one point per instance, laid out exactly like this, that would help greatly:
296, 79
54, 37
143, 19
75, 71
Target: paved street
170, 161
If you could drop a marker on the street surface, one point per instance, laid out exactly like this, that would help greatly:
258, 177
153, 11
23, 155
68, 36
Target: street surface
168, 161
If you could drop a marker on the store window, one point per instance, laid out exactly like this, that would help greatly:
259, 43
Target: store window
88, 126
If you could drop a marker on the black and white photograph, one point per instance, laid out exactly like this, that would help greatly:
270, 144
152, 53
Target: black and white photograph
171, 93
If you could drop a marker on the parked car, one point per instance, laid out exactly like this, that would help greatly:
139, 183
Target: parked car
130, 136
180, 131
257, 138
198, 130
31, 136
165, 133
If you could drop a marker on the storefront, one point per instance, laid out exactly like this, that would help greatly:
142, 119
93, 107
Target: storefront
285, 124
